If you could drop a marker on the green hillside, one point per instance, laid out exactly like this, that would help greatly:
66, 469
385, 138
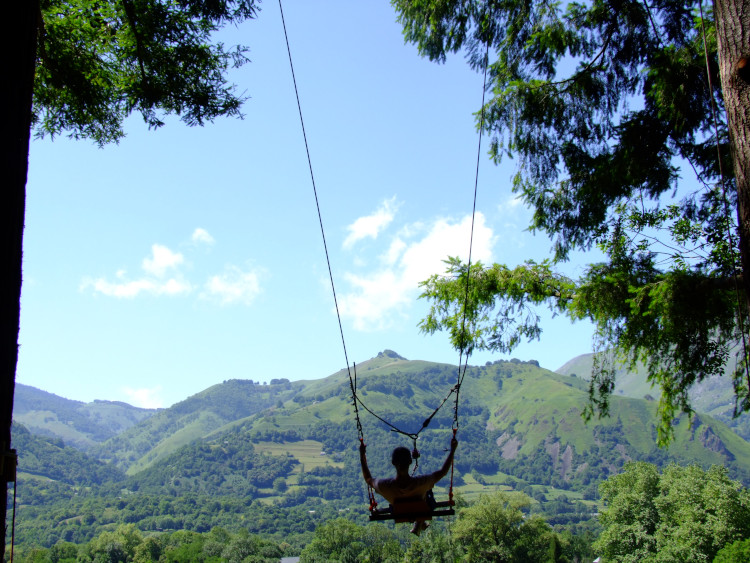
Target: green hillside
516, 419
192, 419
713, 396
244, 454
513, 414
81, 425
49, 459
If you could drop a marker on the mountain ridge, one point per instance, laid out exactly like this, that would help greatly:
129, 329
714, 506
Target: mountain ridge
240, 448
713, 396
524, 408
80, 424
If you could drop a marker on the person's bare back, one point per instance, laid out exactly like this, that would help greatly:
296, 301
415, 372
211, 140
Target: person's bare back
403, 486
399, 488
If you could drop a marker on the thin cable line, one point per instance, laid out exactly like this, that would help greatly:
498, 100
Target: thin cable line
394, 428
461, 375
352, 378
315, 191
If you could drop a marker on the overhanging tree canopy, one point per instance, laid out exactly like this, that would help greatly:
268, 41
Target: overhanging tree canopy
610, 107
79, 67
98, 62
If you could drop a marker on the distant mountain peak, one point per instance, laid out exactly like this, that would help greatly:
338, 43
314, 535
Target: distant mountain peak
390, 354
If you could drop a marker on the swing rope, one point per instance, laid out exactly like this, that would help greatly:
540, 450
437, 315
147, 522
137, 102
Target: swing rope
352, 377
356, 401
462, 373
463, 359
315, 192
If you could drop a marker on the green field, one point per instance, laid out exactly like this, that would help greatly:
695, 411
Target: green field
307, 452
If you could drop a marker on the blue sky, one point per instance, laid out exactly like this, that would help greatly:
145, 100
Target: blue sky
183, 257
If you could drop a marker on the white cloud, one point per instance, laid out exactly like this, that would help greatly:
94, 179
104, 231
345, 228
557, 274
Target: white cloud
123, 289
374, 299
202, 236
126, 289
377, 298
162, 275
161, 260
233, 286
174, 286
514, 213
512, 202
514, 217
145, 398
395, 250
371, 225
154, 282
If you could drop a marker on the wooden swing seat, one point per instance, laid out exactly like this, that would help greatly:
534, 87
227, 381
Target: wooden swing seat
409, 510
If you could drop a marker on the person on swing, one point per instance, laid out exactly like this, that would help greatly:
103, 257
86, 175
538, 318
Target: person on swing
405, 487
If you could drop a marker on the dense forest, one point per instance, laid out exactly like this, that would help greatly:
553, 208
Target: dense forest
275, 471
682, 514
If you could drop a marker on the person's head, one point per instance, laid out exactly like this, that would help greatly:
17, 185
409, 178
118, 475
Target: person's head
401, 458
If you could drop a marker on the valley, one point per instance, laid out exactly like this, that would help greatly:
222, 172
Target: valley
279, 459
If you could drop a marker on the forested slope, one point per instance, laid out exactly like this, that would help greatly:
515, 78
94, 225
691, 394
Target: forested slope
713, 396
242, 454
191, 419
80, 424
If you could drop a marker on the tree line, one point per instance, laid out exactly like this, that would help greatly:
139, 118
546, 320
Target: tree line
680, 514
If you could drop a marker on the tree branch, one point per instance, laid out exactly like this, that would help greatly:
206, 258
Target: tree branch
586, 69
132, 20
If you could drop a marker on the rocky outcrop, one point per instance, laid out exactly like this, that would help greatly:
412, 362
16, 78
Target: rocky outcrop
562, 460
712, 442
509, 445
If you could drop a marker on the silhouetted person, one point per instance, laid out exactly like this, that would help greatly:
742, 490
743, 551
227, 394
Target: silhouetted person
404, 487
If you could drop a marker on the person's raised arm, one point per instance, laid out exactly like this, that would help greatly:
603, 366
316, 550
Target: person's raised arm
448, 461
363, 461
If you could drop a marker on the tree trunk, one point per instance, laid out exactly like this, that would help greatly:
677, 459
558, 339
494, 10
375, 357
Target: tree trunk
733, 37
19, 39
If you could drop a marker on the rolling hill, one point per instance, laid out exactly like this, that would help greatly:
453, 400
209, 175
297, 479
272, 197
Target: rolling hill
79, 424
241, 448
511, 414
515, 410
192, 419
713, 396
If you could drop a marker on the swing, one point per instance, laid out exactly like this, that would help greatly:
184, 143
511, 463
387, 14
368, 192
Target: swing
409, 509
